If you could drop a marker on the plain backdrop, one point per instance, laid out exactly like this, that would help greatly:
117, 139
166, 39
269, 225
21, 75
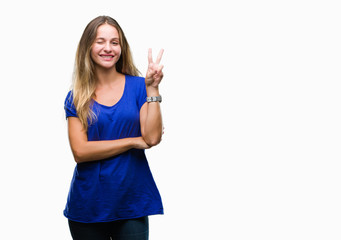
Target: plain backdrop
251, 107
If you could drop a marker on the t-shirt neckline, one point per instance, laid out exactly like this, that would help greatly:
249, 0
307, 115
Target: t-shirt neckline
124, 90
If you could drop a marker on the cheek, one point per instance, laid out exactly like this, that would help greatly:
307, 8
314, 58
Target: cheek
92, 52
119, 51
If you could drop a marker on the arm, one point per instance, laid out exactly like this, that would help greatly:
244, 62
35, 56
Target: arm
150, 113
85, 151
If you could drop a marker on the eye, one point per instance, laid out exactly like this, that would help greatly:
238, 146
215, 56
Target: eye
114, 43
99, 42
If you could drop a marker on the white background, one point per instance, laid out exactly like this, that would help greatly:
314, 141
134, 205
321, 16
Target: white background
251, 107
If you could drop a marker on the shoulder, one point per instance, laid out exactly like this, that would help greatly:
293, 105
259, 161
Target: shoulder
69, 107
69, 94
136, 83
135, 79
69, 98
68, 103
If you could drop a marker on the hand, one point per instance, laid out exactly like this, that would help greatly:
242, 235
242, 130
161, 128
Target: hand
140, 143
154, 73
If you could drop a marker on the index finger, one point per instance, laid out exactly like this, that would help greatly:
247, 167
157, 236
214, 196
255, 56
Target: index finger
158, 60
150, 58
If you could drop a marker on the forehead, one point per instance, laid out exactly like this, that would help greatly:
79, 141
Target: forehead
107, 31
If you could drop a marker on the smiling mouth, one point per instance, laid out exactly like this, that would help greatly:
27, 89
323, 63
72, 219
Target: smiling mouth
107, 56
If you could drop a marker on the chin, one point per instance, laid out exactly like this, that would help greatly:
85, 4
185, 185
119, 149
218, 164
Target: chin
106, 67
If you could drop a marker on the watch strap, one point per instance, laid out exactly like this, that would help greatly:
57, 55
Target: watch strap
154, 99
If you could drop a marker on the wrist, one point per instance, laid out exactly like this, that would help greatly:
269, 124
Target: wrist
154, 99
132, 142
152, 91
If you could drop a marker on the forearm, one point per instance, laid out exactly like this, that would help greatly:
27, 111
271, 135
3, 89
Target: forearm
150, 116
153, 124
86, 151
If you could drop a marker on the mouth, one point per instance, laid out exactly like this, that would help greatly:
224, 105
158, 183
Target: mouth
107, 56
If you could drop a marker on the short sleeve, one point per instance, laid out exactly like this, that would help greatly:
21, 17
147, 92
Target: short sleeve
142, 96
70, 109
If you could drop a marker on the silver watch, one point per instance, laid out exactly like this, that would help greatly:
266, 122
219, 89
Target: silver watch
154, 99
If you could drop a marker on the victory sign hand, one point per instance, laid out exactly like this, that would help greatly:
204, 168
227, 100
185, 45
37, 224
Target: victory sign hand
154, 73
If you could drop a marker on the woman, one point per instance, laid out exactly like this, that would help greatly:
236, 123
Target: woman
113, 115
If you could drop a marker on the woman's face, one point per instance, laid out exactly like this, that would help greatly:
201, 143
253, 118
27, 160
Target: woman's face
106, 49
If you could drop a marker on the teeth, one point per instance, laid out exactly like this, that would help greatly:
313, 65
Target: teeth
107, 56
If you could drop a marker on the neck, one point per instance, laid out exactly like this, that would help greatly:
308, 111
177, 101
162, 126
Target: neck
107, 76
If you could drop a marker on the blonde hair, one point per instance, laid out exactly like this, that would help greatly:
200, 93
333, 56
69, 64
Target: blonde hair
84, 81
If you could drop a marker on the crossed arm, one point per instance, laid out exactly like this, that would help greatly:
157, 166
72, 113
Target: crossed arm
150, 120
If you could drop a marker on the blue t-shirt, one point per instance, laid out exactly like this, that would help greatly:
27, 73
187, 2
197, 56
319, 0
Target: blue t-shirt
122, 186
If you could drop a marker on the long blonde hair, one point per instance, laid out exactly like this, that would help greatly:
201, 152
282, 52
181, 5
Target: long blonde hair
84, 81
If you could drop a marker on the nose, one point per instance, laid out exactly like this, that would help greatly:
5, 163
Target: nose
107, 47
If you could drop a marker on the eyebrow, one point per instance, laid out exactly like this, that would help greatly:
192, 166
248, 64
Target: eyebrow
101, 38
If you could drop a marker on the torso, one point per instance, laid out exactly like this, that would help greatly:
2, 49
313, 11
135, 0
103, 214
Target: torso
121, 186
